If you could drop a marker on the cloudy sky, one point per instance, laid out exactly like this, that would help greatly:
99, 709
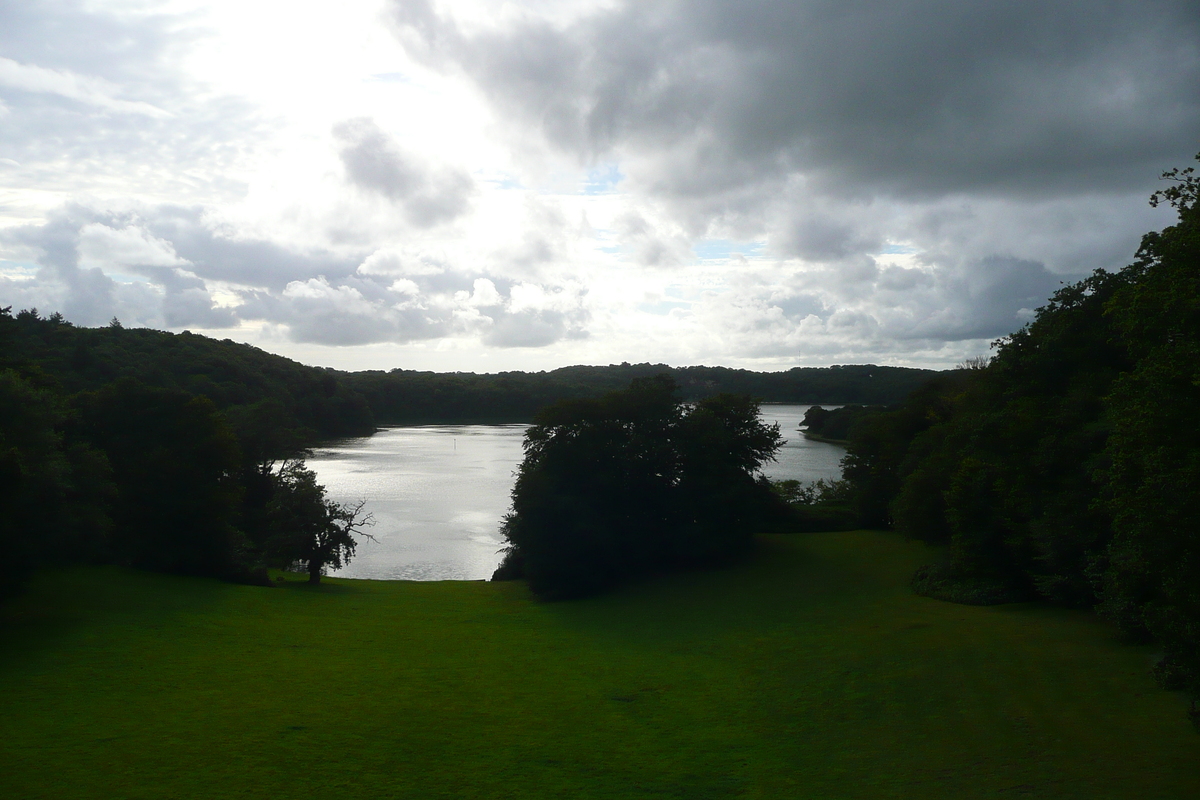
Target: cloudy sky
484, 185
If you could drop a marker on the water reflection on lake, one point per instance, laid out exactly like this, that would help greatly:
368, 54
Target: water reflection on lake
439, 492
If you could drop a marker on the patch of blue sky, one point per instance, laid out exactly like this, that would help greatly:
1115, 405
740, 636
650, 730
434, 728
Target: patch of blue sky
505, 182
722, 249
662, 307
897, 250
121, 277
602, 179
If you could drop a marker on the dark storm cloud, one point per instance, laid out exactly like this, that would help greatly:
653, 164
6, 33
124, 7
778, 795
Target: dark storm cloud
986, 300
912, 97
375, 162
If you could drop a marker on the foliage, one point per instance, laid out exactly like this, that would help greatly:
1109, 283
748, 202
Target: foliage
324, 402
878, 446
817, 492
834, 424
190, 490
157, 450
307, 529
310, 400
1152, 583
175, 464
53, 493
1067, 467
947, 581
404, 396
632, 483
818, 506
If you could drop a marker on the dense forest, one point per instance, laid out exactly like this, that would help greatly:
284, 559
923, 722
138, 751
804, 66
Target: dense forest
1068, 467
181, 453
235, 377
403, 396
329, 403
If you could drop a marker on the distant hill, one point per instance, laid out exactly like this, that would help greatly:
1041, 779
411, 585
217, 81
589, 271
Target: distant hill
232, 375
403, 396
333, 403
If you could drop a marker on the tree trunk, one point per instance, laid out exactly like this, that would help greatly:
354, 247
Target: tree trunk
314, 571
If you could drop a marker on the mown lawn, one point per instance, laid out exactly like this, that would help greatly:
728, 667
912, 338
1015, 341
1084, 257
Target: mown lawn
810, 671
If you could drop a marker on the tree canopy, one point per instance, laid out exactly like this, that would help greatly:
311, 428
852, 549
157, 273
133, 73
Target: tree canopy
636, 482
1066, 468
307, 529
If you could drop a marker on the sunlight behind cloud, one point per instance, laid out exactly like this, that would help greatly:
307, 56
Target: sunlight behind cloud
462, 185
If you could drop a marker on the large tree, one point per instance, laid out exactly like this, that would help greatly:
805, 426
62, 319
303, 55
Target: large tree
635, 482
306, 528
1152, 484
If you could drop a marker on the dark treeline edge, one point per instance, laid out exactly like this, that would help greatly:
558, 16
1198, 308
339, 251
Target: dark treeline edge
182, 453
1068, 467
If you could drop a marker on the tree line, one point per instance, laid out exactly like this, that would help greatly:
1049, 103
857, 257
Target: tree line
406, 397
169, 453
1067, 467
182, 453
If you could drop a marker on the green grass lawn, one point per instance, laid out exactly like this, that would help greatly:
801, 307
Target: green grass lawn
810, 671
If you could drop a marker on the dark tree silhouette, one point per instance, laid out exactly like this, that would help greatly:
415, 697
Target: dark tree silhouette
632, 483
175, 464
307, 528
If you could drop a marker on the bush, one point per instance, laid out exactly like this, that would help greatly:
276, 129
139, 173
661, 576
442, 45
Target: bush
943, 582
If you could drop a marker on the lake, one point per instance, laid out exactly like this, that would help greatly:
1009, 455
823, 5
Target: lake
439, 492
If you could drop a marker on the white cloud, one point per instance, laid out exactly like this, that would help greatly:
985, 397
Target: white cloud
130, 246
461, 185
483, 293
402, 262
404, 286
64, 83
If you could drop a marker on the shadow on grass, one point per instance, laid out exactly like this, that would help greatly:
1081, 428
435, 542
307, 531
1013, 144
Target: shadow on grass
298, 582
785, 577
58, 601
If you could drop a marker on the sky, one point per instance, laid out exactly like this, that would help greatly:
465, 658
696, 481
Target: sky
468, 185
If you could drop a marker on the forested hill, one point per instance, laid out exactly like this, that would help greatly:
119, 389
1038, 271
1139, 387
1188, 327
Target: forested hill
403, 396
237, 378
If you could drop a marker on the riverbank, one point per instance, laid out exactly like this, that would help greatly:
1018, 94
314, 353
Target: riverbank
809, 671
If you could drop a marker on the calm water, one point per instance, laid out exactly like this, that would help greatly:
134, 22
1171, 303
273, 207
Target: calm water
438, 492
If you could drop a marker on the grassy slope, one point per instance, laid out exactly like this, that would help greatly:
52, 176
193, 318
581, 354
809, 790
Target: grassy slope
810, 672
